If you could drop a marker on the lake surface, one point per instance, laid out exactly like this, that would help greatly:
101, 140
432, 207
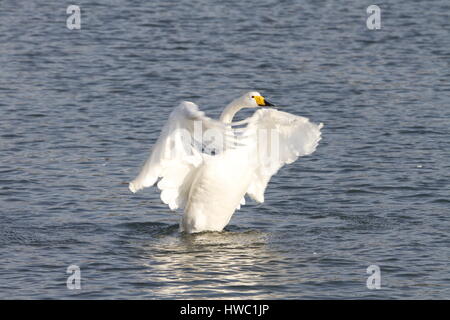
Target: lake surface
80, 110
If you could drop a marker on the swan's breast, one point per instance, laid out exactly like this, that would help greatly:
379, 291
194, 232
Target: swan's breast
216, 191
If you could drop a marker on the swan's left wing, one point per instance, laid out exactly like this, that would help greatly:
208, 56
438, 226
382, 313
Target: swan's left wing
280, 138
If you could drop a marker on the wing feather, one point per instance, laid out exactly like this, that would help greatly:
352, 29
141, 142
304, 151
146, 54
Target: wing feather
287, 137
173, 158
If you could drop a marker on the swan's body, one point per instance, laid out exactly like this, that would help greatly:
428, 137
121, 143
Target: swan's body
217, 191
210, 187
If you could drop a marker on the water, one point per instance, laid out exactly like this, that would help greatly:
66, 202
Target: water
80, 109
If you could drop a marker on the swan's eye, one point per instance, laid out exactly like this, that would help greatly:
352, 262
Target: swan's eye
253, 97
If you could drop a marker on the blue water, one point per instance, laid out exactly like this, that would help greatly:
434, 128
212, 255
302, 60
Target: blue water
81, 108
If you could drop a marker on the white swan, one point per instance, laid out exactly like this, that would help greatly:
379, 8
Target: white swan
209, 185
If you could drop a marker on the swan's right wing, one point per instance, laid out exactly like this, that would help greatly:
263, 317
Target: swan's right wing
176, 155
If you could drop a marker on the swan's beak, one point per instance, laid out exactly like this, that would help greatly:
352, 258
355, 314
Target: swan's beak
268, 104
263, 102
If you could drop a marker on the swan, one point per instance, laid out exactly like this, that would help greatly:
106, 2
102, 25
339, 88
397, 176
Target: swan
206, 167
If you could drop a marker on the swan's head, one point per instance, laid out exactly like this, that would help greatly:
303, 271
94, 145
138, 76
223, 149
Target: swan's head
254, 99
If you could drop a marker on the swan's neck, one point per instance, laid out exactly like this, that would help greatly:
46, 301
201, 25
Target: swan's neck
230, 110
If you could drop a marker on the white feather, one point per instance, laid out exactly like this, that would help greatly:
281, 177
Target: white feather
173, 160
296, 135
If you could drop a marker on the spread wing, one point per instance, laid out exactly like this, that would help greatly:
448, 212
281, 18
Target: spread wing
177, 154
280, 138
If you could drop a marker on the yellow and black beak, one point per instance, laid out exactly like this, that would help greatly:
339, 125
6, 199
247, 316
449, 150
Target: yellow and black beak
263, 102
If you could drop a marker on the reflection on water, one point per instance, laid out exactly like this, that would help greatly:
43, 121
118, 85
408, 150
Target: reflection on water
212, 264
